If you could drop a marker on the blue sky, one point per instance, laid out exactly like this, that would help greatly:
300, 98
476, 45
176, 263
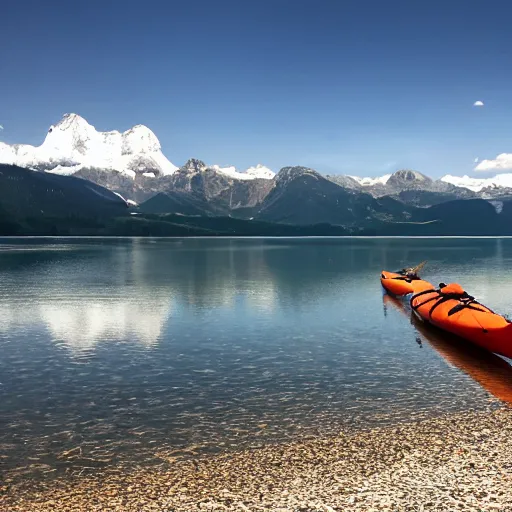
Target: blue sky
357, 87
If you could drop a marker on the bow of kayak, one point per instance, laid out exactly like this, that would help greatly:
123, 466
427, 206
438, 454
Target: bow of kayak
400, 284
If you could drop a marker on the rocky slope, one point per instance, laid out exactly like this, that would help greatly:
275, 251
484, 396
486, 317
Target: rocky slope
303, 196
402, 183
220, 190
38, 203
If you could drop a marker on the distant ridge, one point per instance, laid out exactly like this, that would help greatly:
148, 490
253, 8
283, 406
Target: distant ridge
131, 164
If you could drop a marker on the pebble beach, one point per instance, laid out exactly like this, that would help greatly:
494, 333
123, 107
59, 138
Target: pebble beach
455, 462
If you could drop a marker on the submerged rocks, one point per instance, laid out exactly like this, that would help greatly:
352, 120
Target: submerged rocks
460, 462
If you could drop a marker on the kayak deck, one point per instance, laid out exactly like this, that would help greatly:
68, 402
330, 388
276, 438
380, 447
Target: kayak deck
453, 310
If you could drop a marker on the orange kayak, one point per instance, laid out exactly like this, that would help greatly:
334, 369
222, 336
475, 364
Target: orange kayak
401, 284
452, 309
492, 372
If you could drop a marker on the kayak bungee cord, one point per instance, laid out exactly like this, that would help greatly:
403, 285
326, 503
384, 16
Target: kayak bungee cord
446, 308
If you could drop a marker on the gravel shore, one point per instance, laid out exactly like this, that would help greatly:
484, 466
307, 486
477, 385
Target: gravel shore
461, 462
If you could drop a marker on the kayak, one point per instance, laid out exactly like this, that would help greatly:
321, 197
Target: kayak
402, 284
492, 372
452, 309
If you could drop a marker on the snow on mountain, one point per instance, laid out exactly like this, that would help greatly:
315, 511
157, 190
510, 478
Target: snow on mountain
73, 144
478, 184
257, 172
260, 171
67, 170
369, 182
228, 171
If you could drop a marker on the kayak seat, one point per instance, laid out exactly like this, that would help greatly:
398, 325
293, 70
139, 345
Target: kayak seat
446, 292
452, 309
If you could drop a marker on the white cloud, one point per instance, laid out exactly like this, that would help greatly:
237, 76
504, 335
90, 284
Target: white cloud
1, 127
501, 163
478, 104
476, 160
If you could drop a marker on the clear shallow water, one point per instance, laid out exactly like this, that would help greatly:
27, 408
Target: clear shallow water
118, 352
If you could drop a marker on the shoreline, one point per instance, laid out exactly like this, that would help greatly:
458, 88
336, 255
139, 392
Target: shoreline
250, 237
455, 462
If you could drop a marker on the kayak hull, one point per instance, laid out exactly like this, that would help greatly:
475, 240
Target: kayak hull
477, 324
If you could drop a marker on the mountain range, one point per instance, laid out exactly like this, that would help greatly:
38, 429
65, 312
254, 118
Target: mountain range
131, 168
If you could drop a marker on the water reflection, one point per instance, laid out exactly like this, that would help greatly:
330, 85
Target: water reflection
88, 291
83, 295
492, 372
82, 325
137, 346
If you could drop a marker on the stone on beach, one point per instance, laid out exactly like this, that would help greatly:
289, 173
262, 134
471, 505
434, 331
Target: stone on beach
456, 462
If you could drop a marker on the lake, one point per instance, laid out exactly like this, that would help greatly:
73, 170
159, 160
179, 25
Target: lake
125, 352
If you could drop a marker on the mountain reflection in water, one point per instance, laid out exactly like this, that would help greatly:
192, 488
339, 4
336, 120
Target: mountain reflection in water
133, 348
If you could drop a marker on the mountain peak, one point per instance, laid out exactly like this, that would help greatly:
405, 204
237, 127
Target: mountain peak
290, 173
140, 139
73, 144
71, 117
407, 176
260, 171
194, 165
71, 121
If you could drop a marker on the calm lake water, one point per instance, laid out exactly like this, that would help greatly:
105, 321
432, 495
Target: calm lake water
118, 352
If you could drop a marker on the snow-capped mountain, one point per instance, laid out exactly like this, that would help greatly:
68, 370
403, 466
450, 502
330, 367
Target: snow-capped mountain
261, 172
257, 172
73, 144
132, 164
368, 182
479, 184
409, 186
407, 179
